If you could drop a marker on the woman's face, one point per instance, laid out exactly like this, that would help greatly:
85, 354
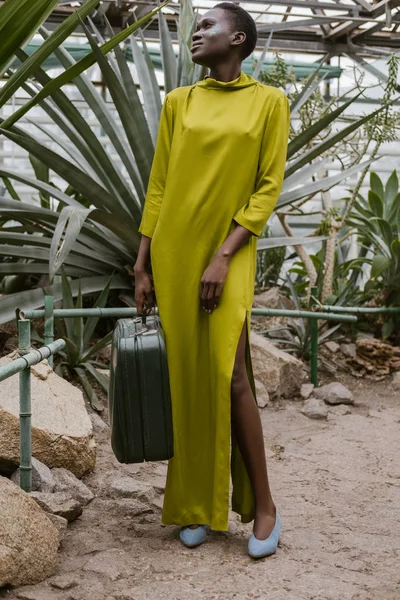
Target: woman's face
214, 38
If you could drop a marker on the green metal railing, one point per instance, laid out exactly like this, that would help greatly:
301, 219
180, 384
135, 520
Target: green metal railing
22, 366
49, 313
358, 310
29, 356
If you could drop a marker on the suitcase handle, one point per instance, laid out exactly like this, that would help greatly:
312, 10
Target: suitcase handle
143, 316
145, 330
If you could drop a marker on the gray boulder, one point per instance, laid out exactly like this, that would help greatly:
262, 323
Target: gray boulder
127, 487
339, 410
315, 409
59, 504
60, 522
65, 481
332, 346
262, 394
306, 390
281, 373
28, 539
348, 350
62, 432
42, 478
334, 393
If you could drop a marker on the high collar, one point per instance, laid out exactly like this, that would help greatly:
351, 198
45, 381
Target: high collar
242, 81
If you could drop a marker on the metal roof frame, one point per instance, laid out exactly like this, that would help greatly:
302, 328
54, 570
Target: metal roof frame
362, 28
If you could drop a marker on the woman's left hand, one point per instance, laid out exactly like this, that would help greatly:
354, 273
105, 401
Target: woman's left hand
212, 283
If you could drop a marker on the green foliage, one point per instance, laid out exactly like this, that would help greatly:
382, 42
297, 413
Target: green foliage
269, 264
279, 75
384, 127
296, 338
377, 221
78, 356
344, 291
90, 228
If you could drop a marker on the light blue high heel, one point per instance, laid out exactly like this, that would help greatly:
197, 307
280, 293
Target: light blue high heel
259, 548
193, 537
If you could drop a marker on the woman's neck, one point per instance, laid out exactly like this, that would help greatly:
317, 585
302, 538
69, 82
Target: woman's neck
225, 72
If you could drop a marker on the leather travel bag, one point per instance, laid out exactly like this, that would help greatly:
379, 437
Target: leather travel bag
139, 393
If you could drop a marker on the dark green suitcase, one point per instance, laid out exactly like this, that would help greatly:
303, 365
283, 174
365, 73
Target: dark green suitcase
139, 393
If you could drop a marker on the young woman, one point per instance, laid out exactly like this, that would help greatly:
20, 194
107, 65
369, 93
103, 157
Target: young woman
216, 177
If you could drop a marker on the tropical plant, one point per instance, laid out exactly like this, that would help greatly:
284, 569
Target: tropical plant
110, 237
344, 291
310, 110
269, 263
94, 229
296, 338
79, 358
377, 222
18, 23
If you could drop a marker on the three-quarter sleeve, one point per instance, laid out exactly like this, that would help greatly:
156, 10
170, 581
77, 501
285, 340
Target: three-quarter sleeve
158, 173
254, 215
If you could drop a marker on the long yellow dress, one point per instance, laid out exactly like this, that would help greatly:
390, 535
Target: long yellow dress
219, 161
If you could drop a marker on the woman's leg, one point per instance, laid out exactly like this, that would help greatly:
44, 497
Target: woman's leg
248, 432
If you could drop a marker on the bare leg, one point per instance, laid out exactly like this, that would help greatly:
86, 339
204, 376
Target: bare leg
248, 432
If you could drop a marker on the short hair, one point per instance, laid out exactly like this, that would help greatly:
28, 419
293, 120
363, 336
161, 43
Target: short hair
242, 21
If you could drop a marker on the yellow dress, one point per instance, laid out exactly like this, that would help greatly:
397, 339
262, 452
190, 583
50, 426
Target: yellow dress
219, 161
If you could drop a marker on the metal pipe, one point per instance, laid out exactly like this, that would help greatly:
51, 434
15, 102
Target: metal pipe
127, 312
49, 324
314, 339
25, 410
34, 357
304, 314
359, 310
81, 312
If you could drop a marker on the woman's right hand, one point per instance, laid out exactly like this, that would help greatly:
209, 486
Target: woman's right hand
144, 294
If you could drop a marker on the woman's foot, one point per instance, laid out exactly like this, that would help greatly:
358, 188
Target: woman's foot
264, 523
259, 548
193, 535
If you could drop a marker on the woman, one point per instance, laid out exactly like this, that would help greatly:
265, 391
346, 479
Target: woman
216, 177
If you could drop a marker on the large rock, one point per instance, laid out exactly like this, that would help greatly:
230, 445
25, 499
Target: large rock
60, 522
315, 409
65, 481
42, 478
262, 394
340, 410
62, 432
280, 372
348, 350
127, 487
332, 346
60, 504
334, 393
306, 390
28, 539
271, 298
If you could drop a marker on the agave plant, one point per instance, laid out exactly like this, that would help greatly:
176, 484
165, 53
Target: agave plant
79, 357
110, 236
377, 222
18, 23
94, 229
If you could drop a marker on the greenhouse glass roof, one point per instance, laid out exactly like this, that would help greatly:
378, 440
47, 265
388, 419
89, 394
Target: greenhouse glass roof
357, 28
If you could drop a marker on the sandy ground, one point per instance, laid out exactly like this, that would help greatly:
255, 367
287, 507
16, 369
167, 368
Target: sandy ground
336, 484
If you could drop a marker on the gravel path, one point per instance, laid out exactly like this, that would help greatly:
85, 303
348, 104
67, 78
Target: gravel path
336, 483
